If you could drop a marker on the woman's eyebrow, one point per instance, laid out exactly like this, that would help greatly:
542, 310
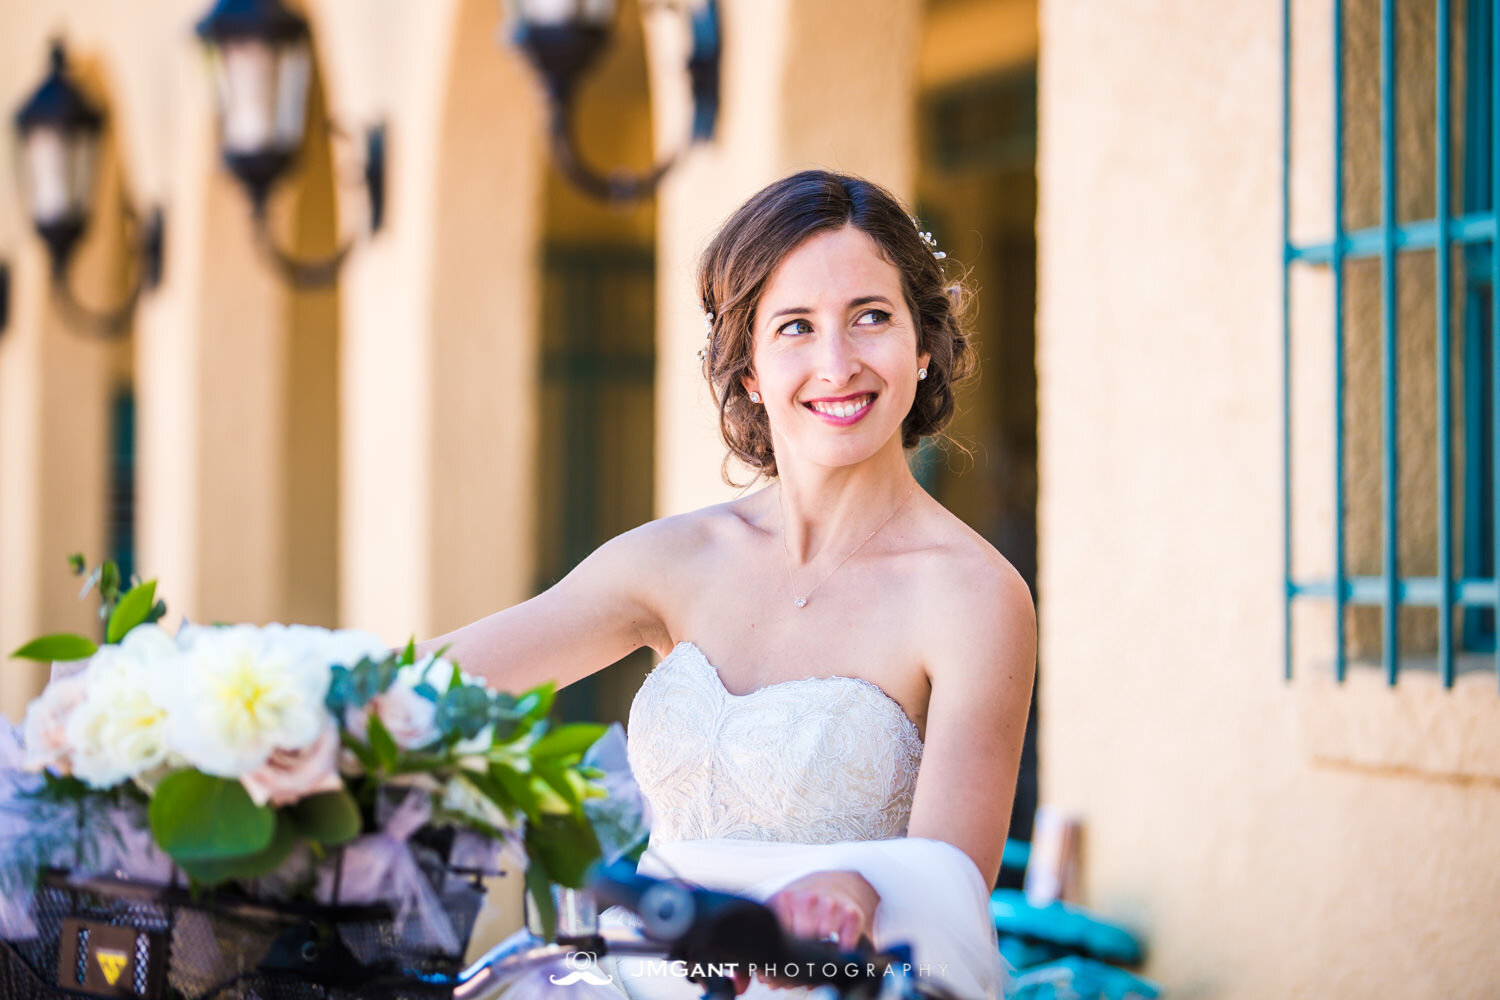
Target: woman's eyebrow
854, 303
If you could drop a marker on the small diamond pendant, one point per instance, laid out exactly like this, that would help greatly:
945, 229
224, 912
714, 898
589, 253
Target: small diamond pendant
801, 602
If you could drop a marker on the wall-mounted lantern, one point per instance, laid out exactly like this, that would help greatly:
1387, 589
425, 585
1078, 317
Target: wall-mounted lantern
59, 130
261, 53
563, 39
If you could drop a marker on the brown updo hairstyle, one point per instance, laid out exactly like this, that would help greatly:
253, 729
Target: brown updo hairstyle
744, 253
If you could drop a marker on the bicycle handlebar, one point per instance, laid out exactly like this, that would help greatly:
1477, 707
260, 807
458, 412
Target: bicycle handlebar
705, 928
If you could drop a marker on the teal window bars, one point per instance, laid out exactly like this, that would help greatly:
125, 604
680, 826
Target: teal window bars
1468, 547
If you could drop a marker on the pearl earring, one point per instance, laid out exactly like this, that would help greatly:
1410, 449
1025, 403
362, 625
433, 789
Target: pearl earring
755, 397
921, 373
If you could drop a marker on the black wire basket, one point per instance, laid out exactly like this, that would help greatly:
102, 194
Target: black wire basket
107, 938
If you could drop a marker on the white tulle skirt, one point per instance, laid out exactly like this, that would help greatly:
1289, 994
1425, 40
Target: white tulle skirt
932, 898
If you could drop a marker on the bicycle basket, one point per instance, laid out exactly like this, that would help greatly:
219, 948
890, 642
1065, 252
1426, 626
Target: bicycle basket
105, 938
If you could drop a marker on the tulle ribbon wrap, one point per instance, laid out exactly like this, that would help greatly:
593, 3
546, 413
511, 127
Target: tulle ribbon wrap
87, 838
382, 867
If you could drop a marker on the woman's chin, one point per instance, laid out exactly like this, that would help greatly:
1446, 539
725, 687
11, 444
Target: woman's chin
851, 450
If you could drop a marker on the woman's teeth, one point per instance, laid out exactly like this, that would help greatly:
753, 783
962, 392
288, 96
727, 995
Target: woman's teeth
845, 407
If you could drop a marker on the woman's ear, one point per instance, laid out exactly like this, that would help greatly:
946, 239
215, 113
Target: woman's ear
751, 384
924, 359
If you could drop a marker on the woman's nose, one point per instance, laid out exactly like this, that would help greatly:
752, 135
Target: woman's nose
838, 360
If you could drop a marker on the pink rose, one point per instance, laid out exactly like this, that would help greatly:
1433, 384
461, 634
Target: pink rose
290, 775
45, 731
410, 718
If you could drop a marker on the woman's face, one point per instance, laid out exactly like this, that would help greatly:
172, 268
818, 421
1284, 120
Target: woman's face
834, 355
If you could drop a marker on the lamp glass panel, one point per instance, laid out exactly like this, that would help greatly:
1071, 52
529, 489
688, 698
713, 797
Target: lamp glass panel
246, 71
548, 13
58, 172
294, 71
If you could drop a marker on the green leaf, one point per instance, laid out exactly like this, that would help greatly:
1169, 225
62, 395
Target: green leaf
570, 739
463, 710
549, 802
540, 888
366, 758
197, 817
210, 872
382, 743
109, 582
409, 654
536, 703
77, 563
513, 787
131, 611
565, 846
62, 646
331, 818
158, 611
556, 775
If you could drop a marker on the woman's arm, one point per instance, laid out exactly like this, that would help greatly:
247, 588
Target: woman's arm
982, 663
604, 609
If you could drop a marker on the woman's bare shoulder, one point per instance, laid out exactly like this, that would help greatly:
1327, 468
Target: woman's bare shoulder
679, 538
667, 562
972, 597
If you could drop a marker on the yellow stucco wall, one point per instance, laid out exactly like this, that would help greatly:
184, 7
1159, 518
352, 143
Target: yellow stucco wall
1270, 839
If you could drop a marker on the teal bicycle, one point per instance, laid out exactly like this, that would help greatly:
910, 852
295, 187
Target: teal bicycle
1062, 952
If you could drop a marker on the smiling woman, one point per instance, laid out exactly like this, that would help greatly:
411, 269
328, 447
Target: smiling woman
846, 666
776, 255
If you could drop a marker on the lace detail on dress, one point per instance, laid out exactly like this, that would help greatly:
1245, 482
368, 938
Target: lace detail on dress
783, 763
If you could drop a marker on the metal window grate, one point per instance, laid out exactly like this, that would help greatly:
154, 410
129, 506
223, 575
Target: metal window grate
1470, 582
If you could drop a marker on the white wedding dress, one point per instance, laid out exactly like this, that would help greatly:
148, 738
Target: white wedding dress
749, 792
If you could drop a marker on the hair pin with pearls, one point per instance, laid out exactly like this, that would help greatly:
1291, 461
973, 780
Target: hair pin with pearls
708, 334
927, 238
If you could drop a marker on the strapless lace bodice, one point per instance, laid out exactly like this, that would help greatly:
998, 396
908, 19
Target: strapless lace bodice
814, 761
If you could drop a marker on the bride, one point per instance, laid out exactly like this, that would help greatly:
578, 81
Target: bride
844, 662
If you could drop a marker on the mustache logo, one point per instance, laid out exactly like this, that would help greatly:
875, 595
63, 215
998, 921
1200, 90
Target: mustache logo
581, 962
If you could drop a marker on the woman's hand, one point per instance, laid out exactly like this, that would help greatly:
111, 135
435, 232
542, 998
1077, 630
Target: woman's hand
837, 904
818, 906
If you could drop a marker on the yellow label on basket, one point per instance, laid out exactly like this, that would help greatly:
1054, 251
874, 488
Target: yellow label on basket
111, 963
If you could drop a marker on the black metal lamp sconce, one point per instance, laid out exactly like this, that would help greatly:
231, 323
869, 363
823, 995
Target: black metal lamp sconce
261, 55
564, 38
59, 130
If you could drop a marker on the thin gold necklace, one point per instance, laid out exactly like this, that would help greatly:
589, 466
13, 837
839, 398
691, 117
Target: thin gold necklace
801, 602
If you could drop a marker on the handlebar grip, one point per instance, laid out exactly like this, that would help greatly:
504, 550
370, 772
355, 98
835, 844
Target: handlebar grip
707, 926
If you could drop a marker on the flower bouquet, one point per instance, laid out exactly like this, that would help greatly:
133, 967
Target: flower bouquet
242, 811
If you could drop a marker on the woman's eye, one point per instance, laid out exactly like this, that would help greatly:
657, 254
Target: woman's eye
873, 317
795, 327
